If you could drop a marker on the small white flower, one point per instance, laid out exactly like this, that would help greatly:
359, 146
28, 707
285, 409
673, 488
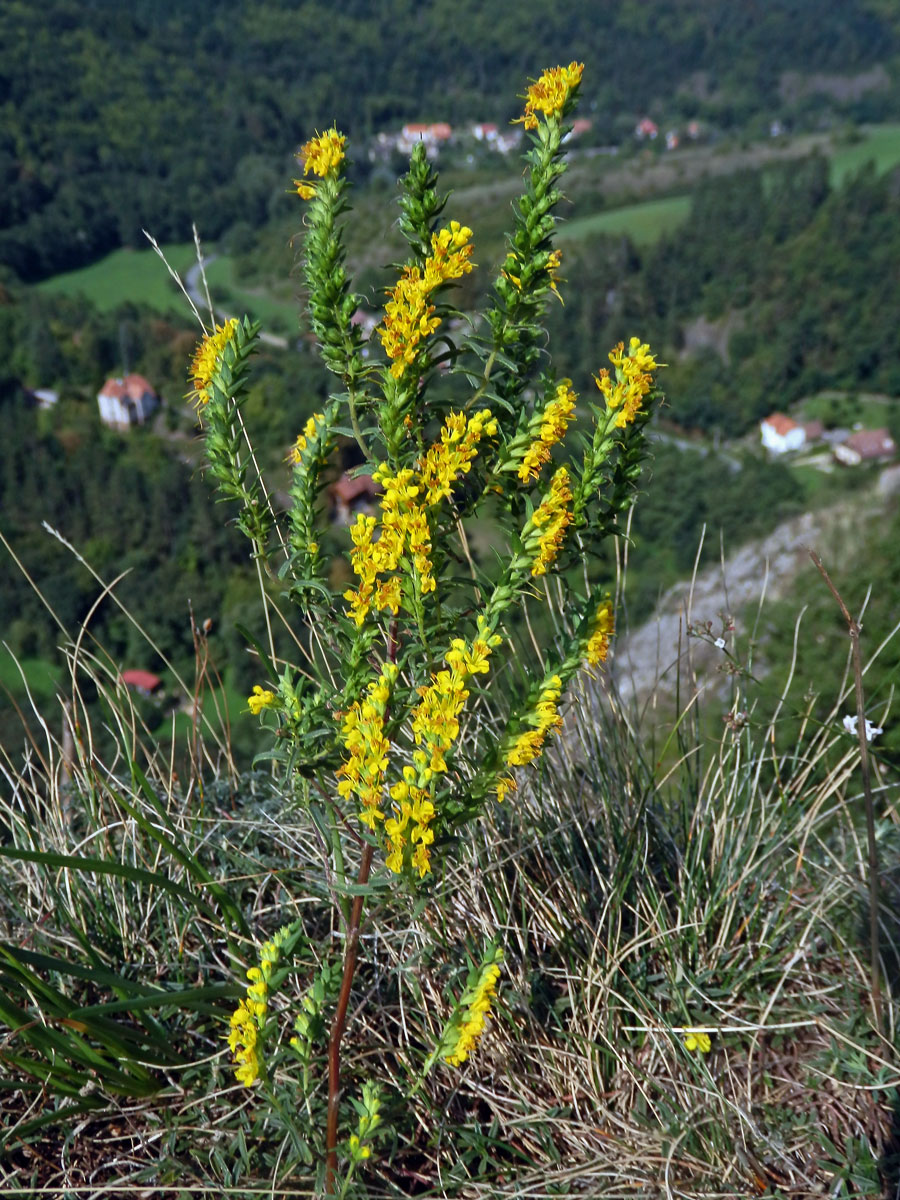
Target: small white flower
872, 731
719, 643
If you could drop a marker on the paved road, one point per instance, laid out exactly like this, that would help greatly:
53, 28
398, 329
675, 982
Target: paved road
658, 435
192, 283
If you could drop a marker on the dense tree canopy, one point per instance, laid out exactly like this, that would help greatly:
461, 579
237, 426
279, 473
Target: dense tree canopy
116, 117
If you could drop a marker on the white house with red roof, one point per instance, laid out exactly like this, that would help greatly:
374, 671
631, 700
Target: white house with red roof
780, 434
434, 136
126, 402
646, 128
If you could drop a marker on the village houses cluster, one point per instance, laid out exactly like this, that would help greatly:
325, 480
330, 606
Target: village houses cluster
781, 434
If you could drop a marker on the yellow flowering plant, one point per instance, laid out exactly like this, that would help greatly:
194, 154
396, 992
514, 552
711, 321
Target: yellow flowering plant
418, 704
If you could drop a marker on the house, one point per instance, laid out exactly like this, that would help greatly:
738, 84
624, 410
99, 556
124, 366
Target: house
432, 135
44, 397
814, 431
144, 682
780, 434
580, 126
350, 495
126, 402
868, 445
484, 131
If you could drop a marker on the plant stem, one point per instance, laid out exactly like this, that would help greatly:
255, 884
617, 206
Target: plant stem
340, 1020
340, 1016
853, 628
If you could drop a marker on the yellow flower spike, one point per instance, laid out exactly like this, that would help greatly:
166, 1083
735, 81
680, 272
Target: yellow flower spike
322, 155
478, 1000
549, 93
261, 698
546, 719
362, 772
408, 314
555, 420
604, 626
206, 357
245, 1034
552, 518
633, 380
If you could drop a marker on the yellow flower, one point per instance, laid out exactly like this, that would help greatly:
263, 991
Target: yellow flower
357, 1151
633, 380
206, 358
548, 95
261, 698
696, 1039
453, 454
603, 628
545, 718
555, 419
504, 785
243, 1037
553, 264
451, 250
478, 1006
362, 772
303, 439
408, 315
322, 155
552, 518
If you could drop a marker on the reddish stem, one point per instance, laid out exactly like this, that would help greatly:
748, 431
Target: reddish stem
340, 1016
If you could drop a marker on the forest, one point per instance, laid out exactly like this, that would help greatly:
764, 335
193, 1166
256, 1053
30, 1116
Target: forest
804, 270
798, 271
155, 114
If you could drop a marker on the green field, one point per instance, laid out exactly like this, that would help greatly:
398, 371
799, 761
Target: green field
277, 315
128, 275
644, 223
881, 145
847, 408
41, 676
139, 275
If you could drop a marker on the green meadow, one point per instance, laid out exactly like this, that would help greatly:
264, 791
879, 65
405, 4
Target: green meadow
128, 275
644, 223
139, 275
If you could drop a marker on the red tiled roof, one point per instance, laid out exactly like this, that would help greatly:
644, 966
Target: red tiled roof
137, 386
145, 680
349, 489
871, 443
780, 423
133, 386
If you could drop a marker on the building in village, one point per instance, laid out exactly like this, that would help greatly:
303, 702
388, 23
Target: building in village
867, 445
126, 402
781, 433
145, 683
